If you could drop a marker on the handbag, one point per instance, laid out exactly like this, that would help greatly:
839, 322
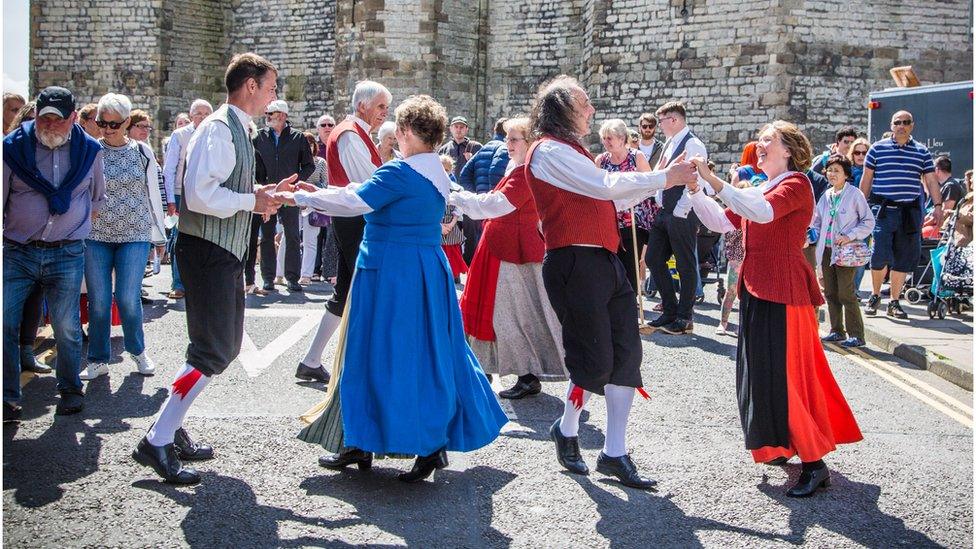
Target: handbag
317, 219
856, 253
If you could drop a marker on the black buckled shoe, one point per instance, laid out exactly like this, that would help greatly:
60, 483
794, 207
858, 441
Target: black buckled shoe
187, 450
71, 402
661, 321
809, 482
294, 287
165, 462
624, 469
364, 460
522, 389
306, 373
424, 466
567, 451
29, 362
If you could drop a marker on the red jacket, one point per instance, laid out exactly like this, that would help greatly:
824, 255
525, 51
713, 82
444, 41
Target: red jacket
337, 174
773, 267
569, 218
515, 238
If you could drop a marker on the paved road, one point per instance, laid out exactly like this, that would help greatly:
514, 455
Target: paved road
70, 482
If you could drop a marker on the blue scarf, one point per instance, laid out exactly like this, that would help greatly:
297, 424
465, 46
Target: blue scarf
18, 152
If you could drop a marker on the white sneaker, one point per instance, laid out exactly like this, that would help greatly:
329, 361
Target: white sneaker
145, 364
94, 370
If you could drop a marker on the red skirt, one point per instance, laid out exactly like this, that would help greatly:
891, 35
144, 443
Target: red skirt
454, 257
478, 300
789, 402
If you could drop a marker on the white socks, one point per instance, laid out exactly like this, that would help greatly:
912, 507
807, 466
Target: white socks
327, 326
188, 384
619, 400
569, 424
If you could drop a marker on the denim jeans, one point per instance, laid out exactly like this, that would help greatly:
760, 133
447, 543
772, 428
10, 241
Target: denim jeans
177, 281
127, 260
58, 271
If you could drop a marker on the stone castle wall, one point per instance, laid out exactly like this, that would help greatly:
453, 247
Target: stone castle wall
812, 62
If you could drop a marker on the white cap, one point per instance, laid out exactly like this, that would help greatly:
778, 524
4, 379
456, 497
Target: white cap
277, 106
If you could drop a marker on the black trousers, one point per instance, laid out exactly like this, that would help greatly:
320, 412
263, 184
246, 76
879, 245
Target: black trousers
214, 299
675, 236
319, 246
597, 308
267, 231
627, 253
349, 235
471, 229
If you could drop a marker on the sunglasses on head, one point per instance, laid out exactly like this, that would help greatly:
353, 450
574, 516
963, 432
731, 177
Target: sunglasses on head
326, 125
901, 122
114, 125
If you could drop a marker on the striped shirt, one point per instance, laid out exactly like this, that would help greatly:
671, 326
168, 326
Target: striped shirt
898, 169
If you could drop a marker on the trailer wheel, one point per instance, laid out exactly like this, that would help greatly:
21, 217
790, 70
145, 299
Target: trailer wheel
913, 295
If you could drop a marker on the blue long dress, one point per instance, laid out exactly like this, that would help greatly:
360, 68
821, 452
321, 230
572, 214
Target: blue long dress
409, 383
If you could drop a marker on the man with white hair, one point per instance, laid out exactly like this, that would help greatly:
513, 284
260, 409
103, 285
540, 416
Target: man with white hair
174, 169
352, 157
52, 183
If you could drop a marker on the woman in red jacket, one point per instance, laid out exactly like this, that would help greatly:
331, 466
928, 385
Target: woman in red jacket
511, 326
789, 402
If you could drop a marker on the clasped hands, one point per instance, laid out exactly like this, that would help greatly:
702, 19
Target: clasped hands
687, 172
268, 198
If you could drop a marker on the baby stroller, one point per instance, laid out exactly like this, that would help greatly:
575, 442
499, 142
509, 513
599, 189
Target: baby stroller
952, 275
710, 257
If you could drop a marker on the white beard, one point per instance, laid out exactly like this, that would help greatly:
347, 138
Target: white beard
52, 140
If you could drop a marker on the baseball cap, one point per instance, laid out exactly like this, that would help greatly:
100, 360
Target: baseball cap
55, 100
459, 120
277, 106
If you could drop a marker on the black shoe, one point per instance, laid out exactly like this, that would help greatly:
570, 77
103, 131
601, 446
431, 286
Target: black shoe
871, 308
364, 460
624, 469
809, 482
307, 373
567, 451
895, 311
11, 412
522, 389
294, 286
71, 402
678, 327
424, 466
661, 321
165, 462
268, 287
29, 363
187, 450
833, 337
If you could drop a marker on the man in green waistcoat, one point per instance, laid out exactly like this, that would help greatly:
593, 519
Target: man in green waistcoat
219, 194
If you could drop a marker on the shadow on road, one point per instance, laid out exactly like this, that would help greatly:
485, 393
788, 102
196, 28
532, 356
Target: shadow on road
537, 414
847, 508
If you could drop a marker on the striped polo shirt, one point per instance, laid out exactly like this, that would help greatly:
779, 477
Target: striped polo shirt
898, 169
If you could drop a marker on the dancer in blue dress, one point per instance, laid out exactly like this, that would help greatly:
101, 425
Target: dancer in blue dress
418, 389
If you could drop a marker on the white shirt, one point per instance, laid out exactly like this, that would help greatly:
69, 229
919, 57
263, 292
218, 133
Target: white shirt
562, 166
210, 159
354, 154
175, 153
694, 147
749, 203
481, 206
648, 150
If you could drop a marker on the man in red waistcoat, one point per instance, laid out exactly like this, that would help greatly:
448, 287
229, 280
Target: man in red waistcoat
586, 283
351, 157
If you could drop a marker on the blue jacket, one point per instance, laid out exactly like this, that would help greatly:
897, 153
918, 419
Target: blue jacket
487, 167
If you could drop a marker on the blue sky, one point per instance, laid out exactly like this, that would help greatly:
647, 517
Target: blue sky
16, 43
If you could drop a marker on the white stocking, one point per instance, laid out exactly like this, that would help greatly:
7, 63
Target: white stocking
569, 424
327, 326
619, 401
188, 384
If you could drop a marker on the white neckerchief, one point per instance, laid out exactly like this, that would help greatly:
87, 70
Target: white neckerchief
770, 184
429, 165
362, 123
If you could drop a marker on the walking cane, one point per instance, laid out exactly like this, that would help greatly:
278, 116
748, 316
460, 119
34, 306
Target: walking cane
644, 329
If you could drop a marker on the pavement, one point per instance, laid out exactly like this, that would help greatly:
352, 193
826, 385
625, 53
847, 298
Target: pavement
943, 346
70, 481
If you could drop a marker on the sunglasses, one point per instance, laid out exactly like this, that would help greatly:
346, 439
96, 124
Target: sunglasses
860, 153
114, 125
326, 125
901, 122
647, 127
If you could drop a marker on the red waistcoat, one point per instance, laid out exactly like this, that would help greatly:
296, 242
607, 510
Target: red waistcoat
337, 174
514, 238
569, 218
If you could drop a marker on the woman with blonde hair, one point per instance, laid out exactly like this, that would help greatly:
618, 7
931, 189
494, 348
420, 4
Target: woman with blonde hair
510, 323
417, 390
789, 402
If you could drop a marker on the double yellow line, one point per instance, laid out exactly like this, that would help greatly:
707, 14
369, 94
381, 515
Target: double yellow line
928, 394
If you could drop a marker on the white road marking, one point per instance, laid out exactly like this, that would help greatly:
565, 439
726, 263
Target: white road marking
256, 360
